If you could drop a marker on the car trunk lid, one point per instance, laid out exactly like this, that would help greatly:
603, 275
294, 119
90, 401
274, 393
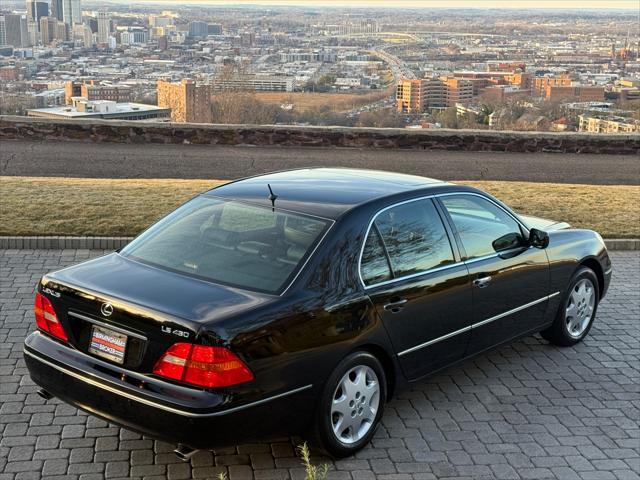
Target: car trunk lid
102, 300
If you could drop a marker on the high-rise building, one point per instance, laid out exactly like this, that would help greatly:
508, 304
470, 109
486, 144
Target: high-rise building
104, 27
188, 101
414, 96
214, 29
71, 11
47, 29
82, 34
56, 9
3, 31
33, 32
134, 36
198, 29
16, 30
36, 10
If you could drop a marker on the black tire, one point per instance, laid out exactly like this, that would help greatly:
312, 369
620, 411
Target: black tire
558, 333
324, 431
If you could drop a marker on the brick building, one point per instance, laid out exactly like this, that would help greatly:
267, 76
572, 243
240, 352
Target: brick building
540, 84
95, 90
574, 93
414, 96
188, 101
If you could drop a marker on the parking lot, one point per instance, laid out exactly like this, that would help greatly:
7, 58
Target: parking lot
528, 410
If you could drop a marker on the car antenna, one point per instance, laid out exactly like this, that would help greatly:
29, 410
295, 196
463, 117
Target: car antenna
272, 196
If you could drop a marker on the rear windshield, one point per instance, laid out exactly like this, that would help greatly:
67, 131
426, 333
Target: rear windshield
230, 242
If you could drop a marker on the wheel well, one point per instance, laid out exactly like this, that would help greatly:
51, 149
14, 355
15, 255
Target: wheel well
387, 363
594, 265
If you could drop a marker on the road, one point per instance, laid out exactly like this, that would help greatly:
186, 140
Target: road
524, 411
106, 160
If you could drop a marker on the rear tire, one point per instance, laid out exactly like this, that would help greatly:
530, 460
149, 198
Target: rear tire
577, 310
351, 405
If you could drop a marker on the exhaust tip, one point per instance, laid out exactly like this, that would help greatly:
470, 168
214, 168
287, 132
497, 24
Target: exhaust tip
184, 453
44, 394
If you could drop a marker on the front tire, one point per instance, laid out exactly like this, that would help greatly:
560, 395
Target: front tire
576, 311
351, 405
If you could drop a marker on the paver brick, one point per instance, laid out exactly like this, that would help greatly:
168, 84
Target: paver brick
527, 410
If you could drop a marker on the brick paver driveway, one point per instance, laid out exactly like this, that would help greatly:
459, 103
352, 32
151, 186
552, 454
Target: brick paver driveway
528, 410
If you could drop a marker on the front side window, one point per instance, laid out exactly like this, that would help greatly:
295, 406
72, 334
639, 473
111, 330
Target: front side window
414, 238
484, 228
230, 242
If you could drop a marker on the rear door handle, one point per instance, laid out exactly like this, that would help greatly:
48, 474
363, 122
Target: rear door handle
482, 281
395, 305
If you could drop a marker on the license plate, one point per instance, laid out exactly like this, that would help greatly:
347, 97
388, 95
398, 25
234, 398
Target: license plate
108, 344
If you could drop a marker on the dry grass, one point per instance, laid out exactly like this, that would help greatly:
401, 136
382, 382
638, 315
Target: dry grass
337, 101
611, 210
72, 206
85, 206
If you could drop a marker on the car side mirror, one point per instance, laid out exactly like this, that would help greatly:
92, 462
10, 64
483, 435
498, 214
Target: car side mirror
538, 238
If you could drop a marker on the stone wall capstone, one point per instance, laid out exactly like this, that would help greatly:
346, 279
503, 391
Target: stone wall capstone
135, 132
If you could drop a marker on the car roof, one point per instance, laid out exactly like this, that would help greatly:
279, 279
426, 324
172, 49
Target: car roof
324, 192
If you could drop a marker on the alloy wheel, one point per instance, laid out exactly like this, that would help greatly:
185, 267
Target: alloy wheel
580, 306
355, 403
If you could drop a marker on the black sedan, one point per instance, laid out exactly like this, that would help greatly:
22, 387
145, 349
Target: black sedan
297, 302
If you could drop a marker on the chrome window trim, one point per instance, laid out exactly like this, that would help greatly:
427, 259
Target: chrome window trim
107, 325
435, 269
477, 325
157, 405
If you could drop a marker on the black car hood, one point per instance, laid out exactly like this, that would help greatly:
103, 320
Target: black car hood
543, 223
116, 277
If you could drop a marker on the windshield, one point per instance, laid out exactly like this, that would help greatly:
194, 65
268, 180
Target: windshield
230, 242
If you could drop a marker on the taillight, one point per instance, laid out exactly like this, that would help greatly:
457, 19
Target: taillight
46, 317
203, 366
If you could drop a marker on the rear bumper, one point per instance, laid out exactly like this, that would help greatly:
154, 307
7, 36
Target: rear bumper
161, 410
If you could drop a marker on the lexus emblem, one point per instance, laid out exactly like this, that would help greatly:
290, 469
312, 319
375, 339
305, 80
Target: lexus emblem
106, 309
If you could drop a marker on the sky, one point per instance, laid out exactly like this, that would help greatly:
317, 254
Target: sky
552, 4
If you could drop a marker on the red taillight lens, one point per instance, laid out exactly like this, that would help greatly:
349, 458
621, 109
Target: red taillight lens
203, 366
46, 317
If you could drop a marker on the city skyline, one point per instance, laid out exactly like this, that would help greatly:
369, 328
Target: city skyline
426, 4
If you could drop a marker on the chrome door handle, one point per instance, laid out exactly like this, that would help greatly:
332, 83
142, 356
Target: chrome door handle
482, 281
396, 305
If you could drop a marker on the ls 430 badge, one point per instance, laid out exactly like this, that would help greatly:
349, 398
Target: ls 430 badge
179, 333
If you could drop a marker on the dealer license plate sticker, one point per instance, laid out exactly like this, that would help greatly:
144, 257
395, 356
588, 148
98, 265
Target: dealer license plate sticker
108, 344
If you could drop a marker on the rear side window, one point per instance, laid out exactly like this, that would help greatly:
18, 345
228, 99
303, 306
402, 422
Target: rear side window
414, 238
230, 242
374, 265
484, 228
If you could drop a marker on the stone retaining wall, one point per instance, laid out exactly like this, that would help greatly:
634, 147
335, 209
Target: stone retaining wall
115, 243
132, 132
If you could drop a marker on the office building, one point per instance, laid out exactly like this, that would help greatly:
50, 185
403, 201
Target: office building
415, 96
104, 109
214, 29
134, 36
36, 10
16, 31
540, 84
71, 11
188, 101
574, 93
83, 35
96, 90
198, 29
3, 31
55, 10
104, 27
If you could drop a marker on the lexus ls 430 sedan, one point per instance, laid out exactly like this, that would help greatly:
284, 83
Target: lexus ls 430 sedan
297, 302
